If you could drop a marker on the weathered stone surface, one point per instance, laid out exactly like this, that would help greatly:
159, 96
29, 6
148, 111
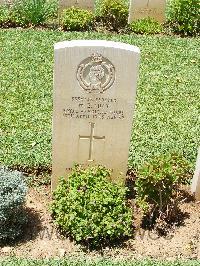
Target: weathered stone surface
94, 97
147, 8
196, 179
84, 4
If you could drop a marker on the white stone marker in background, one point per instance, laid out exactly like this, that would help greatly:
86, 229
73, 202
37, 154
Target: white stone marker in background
147, 8
83, 4
5, 2
196, 179
94, 97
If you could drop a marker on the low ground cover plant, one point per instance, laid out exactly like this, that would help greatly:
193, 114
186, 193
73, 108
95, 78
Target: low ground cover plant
184, 16
81, 261
5, 18
33, 12
113, 14
146, 26
76, 19
158, 182
90, 208
12, 199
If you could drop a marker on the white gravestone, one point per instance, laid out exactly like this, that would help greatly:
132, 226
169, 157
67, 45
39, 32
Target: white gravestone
6, 2
94, 97
83, 4
140, 9
196, 179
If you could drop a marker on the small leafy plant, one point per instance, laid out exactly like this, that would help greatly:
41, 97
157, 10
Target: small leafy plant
12, 199
158, 181
76, 19
90, 208
34, 12
5, 17
146, 26
113, 14
184, 16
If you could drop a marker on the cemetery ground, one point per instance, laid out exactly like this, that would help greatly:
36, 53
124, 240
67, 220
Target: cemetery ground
166, 119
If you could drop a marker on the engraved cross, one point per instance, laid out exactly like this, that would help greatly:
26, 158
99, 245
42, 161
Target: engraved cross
91, 138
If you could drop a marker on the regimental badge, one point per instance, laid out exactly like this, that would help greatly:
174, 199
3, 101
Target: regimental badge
96, 74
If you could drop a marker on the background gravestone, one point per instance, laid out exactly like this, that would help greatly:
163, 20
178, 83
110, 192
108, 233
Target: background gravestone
94, 97
196, 179
84, 4
147, 8
3, 2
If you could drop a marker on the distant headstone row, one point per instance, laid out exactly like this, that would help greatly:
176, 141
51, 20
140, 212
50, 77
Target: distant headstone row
138, 8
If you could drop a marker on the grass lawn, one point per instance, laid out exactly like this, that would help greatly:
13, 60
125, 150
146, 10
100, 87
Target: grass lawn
76, 262
168, 96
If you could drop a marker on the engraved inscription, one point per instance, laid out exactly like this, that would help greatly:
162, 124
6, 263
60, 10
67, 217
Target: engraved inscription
84, 166
91, 138
95, 74
94, 108
148, 11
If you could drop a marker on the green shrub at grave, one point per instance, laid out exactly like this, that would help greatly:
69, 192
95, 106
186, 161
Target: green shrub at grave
158, 180
33, 12
90, 208
146, 26
184, 16
76, 19
12, 199
113, 14
4, 15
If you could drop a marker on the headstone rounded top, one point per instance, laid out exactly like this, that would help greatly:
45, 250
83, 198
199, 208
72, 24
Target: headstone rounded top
96, 43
